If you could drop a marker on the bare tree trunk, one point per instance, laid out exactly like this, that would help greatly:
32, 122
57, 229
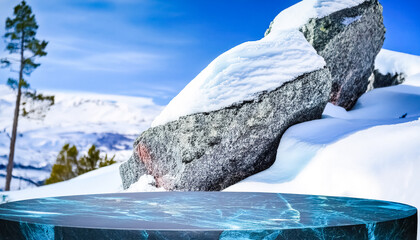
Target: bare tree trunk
13, 141
15, 118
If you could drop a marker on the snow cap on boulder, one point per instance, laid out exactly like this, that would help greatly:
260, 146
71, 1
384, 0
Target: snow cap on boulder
241, 73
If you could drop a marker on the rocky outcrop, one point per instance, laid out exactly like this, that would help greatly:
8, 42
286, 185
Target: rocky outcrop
380, 80
211, 151
349, 41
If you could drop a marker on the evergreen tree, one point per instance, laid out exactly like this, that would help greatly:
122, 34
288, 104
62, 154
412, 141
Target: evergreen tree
67, 165
24, 47
89, 162
93, 161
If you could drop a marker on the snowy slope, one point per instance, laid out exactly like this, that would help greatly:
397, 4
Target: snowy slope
103, 180
244, 71
111, 122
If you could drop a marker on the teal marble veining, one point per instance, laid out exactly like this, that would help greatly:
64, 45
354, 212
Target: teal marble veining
35, 232
206, 215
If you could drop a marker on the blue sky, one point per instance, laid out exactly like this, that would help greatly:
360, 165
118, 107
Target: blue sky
154, 48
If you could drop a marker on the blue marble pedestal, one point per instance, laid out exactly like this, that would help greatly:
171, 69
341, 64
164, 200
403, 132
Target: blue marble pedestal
206, 215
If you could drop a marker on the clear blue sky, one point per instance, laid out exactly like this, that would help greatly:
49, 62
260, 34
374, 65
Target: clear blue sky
154, 48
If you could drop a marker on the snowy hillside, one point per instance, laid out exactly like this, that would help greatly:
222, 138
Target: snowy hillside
108, 121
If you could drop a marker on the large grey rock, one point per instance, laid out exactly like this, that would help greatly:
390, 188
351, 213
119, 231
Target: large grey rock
211, 151
349, 41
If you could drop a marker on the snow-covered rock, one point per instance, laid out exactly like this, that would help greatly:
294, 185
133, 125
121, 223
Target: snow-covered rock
253, 93
348, 47
223, 126
210, 151
349, 41
392, 68
243, 73
110, 122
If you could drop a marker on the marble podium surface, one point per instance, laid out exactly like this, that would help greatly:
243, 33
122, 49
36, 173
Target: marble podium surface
206, 215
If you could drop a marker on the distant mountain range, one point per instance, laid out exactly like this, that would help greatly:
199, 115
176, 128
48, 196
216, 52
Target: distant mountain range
110, 122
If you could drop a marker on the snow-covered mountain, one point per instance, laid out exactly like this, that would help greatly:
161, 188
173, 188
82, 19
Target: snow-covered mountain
109, 121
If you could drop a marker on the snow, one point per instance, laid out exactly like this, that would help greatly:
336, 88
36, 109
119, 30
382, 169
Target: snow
396, 62
111, 122
349, 20
146, 183
103, 180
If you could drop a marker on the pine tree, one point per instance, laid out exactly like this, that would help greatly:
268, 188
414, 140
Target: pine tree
89, 162
24, 48
67, 165
93, 161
